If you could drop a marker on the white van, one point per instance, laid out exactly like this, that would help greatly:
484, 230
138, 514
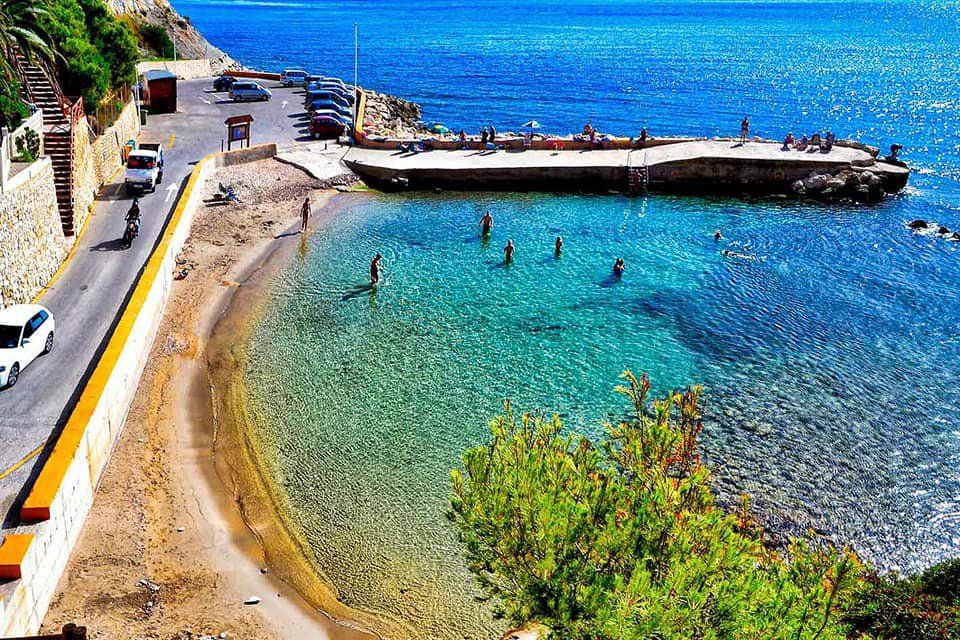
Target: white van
293, 77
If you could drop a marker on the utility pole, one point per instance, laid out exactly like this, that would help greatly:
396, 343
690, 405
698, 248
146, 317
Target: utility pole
356, 53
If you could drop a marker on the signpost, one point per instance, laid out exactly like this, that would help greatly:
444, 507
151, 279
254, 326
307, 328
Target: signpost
238, 130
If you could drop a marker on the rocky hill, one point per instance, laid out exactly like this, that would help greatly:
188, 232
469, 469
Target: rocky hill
190, 43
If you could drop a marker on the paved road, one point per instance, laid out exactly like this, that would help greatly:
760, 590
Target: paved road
88, 295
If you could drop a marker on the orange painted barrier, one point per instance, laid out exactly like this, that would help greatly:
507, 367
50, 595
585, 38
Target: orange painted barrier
12, 552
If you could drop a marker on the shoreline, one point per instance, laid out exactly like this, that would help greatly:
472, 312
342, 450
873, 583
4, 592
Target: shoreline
166, 548
239, 467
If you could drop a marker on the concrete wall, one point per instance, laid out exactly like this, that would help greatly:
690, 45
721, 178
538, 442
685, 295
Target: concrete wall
32, 244
62, 495
183, 69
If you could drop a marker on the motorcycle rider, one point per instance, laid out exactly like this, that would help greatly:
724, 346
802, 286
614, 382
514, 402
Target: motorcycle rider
133, 215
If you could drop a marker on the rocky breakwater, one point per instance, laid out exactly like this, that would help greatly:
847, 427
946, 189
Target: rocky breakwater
862, 181
391, 117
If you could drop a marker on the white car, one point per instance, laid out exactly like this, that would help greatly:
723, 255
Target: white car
26, 332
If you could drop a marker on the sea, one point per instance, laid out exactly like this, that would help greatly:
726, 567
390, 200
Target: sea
827, 339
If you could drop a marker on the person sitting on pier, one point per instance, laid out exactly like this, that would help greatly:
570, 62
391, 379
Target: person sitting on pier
508, 252
828, 142
802, 143
588, 130
483, 138
463, 135
787, 142
619, 267
814, 142
643, 135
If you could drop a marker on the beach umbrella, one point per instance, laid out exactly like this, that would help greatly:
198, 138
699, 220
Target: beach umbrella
533, 124
436, 127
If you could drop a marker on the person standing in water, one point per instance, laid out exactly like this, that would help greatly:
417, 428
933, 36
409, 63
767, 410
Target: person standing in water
619, 267
304, 214
508, 252
558, 246
486, 223
375, 269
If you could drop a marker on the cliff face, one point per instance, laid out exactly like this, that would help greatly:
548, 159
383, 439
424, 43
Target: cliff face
190, 43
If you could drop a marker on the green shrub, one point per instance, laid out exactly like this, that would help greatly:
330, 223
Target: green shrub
620, 538
157, 39
97, 51
923, 607
28, 146
12, 108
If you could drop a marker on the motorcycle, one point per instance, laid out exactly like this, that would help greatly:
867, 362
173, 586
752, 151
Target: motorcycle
132, 230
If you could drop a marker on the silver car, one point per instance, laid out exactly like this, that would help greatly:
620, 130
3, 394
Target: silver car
248, 91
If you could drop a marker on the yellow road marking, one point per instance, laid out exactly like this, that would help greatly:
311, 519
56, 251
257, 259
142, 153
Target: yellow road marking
173, 138
24, 460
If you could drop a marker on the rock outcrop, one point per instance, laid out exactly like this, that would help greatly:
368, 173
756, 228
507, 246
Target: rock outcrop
855, 183
190, 43
391, 117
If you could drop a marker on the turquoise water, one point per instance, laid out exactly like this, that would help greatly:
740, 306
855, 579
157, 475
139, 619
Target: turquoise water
829, 364
831, 359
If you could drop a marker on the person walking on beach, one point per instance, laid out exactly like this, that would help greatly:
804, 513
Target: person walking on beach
486, 223
508, 252
304, 214
558, 246
744, 129
375, 269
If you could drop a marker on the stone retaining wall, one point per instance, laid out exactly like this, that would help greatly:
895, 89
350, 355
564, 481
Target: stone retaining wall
62, 494
96, 158
32, 244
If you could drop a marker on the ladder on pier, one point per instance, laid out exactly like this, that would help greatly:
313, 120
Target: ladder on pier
639, 180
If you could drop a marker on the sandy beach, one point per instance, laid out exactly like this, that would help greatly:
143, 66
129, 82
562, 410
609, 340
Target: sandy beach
169, 549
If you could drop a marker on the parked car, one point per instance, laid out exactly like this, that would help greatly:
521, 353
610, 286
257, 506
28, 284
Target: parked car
311, 79
144, 168
318, 94
26, 332
292, 77
339, 117
320, 105
223, 83
342, 93
325, 127
248, 91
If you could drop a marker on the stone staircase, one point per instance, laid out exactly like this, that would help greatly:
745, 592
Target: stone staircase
60, 116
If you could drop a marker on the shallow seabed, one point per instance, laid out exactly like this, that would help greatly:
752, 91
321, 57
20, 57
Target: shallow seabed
826, 346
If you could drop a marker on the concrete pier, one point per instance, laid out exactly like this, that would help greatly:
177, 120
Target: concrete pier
687, 166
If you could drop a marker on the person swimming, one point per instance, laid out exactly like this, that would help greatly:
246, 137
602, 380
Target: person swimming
619, 267
717, 236
508, 252
486, 223
558, 246
375, 269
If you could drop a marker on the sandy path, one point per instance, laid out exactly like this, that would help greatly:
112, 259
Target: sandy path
164, 552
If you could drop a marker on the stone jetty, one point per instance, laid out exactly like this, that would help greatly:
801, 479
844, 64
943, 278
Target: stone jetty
849, 171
